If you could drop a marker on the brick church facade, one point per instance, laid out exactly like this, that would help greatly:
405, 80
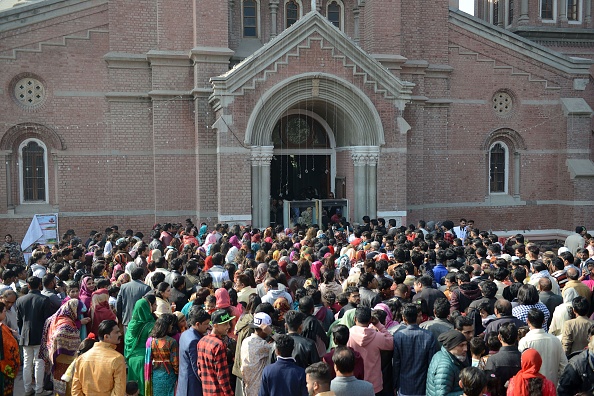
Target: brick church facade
135, 112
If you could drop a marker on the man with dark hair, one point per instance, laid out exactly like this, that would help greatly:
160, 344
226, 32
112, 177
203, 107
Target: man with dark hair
312, 328
507, 362
369, 337
101, 370
528, 299
473, 381
575, 331
548, 298
317, 377
503, 312
218, 273
540, 270
354, 299
369, 298
489, 291
340, 336
213, 367
285, 376
424, 290
305, 351
32, 311
188, 382
271, 287
345, 383
576, 240
49, 290
413, 350
439, 325
548, 346
130, 293
578, 375
465, 294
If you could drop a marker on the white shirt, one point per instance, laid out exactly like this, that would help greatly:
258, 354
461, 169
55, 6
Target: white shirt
460, 232
551, 351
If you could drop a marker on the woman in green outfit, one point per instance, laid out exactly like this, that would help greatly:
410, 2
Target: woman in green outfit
139, 328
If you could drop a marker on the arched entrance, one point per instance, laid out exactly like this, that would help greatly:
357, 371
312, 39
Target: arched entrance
304, 161
325, 103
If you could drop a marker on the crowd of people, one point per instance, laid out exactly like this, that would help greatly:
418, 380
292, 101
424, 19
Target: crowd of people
370, 309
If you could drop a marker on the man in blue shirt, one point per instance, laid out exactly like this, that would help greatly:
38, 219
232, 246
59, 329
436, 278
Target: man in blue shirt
188, 381
413, 349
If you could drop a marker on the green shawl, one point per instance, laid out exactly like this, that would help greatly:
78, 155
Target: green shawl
139, 329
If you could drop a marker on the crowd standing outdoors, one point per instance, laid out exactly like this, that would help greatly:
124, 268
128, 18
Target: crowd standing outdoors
374, 309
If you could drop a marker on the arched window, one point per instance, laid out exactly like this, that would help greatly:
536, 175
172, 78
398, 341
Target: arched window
292, 11
250, 18
498, 168
33, 172
334, 13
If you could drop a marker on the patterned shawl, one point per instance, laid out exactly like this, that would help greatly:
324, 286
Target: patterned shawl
60, 334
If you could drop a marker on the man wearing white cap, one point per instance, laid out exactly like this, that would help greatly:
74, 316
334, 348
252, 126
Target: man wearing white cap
255, 354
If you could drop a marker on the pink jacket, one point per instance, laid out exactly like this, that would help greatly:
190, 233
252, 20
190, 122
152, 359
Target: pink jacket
369, 341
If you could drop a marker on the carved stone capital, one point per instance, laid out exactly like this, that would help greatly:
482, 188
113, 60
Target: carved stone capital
365, 155
261, 155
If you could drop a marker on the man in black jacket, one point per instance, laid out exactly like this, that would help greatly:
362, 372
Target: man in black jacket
304, 352
507, 362
32, 311
578, 375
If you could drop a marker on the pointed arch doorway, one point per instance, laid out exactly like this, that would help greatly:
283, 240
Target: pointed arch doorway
304, 162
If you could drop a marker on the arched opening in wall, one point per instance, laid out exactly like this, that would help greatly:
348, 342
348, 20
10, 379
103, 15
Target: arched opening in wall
498, 168
33, 172
303, 164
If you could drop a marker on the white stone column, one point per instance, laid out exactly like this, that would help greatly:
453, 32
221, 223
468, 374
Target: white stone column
356, 23
260, 158
365, 185
562, 10
587, 13
517, 165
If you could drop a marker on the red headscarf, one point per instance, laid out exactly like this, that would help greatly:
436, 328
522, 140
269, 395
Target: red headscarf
531, 362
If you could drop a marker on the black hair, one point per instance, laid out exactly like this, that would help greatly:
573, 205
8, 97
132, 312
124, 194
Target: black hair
410, 313
441, 308
344, 359
340, 334
536, 318
462, 321
319, 372
197, 315
162, 325
34, 282
473, 381
106, 327
580, 306
527, 295
363, 315
285, 344
509, 333
306, 305
294, 319
477, 346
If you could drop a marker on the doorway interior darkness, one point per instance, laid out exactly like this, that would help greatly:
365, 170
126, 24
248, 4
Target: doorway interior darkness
300, 176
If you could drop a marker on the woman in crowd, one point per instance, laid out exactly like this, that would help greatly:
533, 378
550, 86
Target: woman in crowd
10, 359
87, 287
162, 293
161, 364
100, 309
528, 381
137, 333
59, 343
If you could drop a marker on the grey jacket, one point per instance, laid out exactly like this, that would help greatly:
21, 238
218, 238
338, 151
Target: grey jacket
129, 294
348, 386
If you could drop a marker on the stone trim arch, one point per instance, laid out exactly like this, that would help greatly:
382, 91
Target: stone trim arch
510, 137
30, 130
367, 125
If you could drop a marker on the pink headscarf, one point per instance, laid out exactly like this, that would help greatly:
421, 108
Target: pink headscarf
85, 294
389, 319
235, 242
315, 269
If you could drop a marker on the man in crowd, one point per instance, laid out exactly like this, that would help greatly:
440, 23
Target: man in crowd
345, 383
443, 375
284, 377
441, 324
130, 293
413, 350
102, 370
503, 312
369, 337
548, 346
575, 331
255, 353
213, 367
305, 352
32, 311
424, 290
317, 378
188, 382
508, 361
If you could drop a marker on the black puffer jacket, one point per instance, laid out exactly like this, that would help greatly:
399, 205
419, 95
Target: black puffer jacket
578, 375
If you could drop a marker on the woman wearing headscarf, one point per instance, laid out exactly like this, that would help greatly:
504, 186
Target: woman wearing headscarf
10, 359
100, 309
390, 322
282, 306
138, 331
224, 302
528, 381
59, 343
87, 287
202, 232
161, 364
